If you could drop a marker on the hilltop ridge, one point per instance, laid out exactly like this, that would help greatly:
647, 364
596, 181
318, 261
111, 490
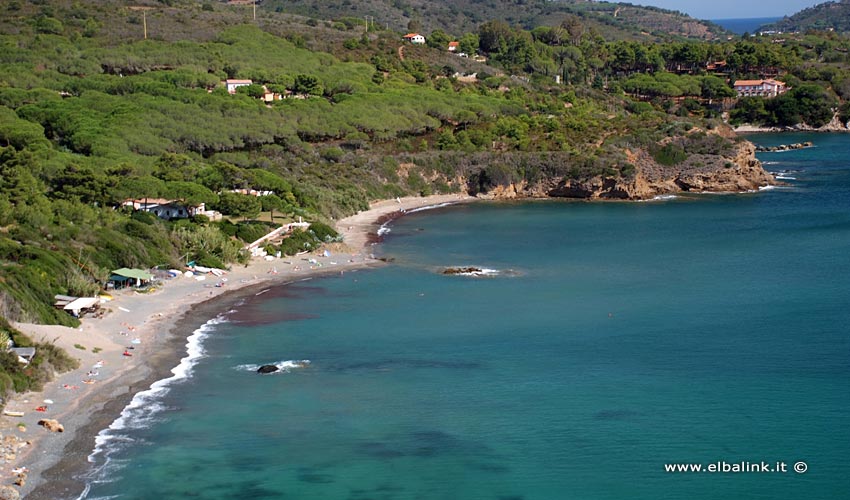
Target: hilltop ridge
610, 19
827, 16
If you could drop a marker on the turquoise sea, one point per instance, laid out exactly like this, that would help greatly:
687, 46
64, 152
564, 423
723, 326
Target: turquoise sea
616, 338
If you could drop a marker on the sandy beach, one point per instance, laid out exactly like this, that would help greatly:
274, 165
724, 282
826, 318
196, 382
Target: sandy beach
139, 340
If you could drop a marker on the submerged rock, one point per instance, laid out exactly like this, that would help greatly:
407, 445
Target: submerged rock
267, 369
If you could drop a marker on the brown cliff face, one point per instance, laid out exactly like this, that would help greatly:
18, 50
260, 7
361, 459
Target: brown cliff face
706, 173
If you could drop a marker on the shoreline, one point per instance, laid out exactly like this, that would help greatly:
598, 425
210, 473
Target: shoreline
156, 326
755, 129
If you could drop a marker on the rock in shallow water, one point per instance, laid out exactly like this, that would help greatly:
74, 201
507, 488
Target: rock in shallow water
462, 270
267, 369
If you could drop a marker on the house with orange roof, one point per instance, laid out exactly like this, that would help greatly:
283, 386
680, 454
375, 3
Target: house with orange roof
454, 46
759, 88
415, 38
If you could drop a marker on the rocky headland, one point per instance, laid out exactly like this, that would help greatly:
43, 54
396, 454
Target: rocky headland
740, 172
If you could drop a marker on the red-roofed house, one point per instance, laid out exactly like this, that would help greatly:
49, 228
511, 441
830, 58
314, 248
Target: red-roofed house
454, 46
414, 38
759, 88
716, 66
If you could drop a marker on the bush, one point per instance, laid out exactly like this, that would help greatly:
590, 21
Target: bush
296, 242
333, 154
209, 260
323, 232
251, 232
670, 154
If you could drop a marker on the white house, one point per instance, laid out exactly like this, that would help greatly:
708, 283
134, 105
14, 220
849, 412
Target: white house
252, 192
165, 209
759, 88
415, 38
233, 84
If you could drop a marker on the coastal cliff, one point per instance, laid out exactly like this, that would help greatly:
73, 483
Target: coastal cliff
740, 172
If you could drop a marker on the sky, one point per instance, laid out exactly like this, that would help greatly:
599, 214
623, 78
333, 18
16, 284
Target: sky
731, 9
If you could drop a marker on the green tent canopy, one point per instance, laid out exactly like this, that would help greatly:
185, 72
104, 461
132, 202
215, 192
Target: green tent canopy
133, 273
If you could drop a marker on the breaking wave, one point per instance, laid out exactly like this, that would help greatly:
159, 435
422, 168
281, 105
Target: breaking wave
144, 408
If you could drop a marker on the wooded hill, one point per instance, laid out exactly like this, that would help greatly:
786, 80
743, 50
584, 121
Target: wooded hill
614, 21
822, 17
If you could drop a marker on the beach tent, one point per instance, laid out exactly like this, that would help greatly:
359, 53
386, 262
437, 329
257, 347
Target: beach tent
124, 277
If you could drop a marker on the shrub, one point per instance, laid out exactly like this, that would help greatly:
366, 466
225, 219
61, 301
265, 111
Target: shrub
670, 154
323, 232
209, 260
333, 154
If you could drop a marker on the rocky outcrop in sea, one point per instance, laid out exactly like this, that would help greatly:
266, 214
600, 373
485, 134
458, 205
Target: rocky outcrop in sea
741, 172
784, 147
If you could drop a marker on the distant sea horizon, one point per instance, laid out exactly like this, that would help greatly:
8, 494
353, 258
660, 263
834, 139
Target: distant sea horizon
739, 26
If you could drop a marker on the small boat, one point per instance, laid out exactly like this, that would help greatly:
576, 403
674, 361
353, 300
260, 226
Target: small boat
11, 413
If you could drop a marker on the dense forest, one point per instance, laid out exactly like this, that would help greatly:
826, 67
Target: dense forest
92, 113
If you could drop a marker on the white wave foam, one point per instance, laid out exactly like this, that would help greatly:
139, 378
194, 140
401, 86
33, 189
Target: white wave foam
664, 197
767, 188
488, 272
786, 178
430, 207
282, 366
144, 406
385, 227
479, 272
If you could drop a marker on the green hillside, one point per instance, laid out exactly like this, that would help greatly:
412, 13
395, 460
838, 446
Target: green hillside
91, 114
611, 20
822, 17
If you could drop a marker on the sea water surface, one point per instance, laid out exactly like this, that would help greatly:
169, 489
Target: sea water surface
745, 25
616, 338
